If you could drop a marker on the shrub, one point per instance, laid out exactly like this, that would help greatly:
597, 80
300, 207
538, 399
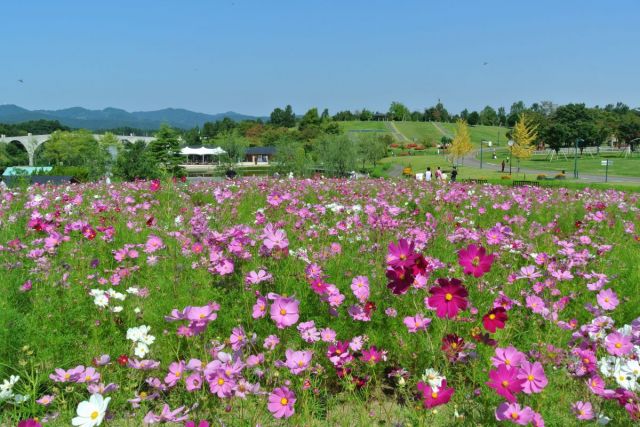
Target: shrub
560, 176
506, 177
541, 177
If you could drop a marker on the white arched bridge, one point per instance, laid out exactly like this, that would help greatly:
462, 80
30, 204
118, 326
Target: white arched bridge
32, 142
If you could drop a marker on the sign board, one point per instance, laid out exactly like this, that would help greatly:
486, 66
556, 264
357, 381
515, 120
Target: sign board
606, 162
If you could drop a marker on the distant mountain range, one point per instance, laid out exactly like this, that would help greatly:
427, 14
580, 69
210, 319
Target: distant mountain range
110, 118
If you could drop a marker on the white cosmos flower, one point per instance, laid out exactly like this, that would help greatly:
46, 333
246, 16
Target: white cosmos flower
433, 378
141, 350
91, 412
101, 300
624, 378
117, 309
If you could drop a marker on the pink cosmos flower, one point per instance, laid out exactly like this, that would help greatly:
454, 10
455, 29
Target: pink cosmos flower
281, 402
495, 319
46, 400
360, 288
259, 308
474, 260
528, 272
435, 397
29, 423
220, 384
202, 423
194, 382
372, 355
167, 415
509, 356
153, 244
271, 342
533, 376
416, 323
297, 361
607, 299
583, 410
618, 344
238, 338
308, 331
176, 369
536, 304
504, 380
401, 254
284, 311
449, 298
274, 238
514, 413
328, 335
254, 278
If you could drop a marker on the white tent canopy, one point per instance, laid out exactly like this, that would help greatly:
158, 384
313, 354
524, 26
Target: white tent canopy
202, 151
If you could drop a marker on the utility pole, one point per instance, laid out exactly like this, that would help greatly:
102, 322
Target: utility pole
575, 159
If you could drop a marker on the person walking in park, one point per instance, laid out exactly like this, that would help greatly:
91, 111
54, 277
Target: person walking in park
438, 174
427, 174
454, 174
502, 165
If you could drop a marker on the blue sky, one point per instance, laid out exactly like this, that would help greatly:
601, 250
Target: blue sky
252, 55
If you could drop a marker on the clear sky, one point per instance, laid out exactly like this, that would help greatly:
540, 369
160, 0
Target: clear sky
252, 55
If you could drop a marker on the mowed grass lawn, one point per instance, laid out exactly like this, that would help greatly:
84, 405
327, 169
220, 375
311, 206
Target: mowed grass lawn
495, 134
363, 126
419, 131
620, 166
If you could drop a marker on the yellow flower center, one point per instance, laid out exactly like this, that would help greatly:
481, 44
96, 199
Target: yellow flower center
202, 316
454, 345
505, 383
418, 324
507, 362
618, 344
515, 415
220, 381
475, 261
448, 297
283, 311
530, 377
284, 401
94, 415
585, 360
581, 412
178, 374
87, 378
434, 395
143, 394
300, 363
492, 316
67, 376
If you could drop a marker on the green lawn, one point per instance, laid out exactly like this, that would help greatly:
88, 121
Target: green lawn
363, 126
419, 131
586, 164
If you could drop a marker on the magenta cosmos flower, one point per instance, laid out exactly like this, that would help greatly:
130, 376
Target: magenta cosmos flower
281, 402
284, 311
533, 376
618, 344
449, 298
512, 412
505, 381
435, 397
29, 423
495, 319
402, 254
475, 261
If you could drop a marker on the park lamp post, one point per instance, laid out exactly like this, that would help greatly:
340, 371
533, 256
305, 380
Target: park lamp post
481, 145
510, 144
575, 159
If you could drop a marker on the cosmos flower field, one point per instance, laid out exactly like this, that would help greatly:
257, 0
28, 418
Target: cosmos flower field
318, 302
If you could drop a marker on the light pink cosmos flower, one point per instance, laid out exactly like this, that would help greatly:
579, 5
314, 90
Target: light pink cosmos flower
284, 311
274, 238
618, 344
153, 244
583, 410
238, 338
281, 402
607, 299
509, 356
533, 376
297, 361
360, 288
259, 308
194, 382
271, 342
176, 370
416, 323
328, 335
46, 400
167, 415
89, 376
308, 331
528, 272
72, 375
221, 384
254, 278
514, 413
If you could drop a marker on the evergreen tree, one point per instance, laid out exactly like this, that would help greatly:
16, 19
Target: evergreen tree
166, 151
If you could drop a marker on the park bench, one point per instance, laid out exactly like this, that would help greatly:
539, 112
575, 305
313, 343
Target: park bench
526, 184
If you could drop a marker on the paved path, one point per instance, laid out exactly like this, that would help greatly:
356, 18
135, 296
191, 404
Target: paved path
394, 130
395, 171
471, 160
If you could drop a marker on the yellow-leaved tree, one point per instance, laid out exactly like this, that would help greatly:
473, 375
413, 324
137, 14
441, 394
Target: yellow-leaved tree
524, 135
461, 144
